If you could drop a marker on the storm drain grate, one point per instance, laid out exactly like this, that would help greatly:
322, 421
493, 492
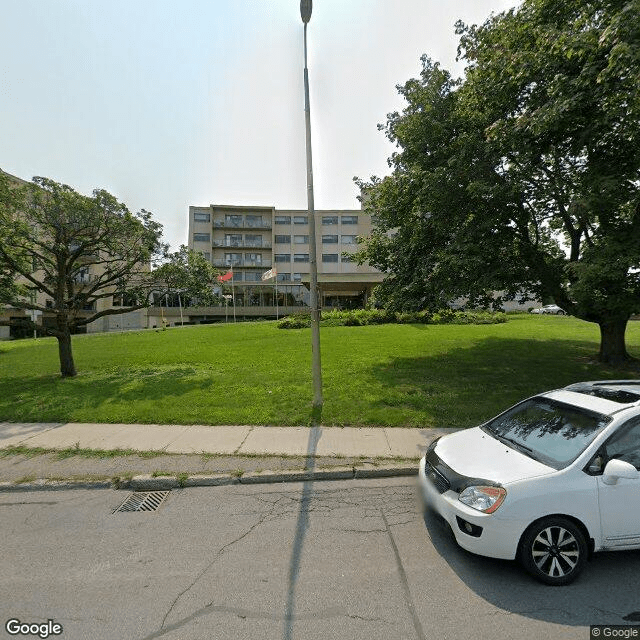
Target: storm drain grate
143, 501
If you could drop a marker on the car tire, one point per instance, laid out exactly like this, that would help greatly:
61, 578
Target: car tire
553, 550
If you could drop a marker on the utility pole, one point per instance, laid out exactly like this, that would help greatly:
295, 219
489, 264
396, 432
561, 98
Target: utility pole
316, 367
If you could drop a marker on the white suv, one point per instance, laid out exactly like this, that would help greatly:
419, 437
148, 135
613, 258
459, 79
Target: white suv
547, 482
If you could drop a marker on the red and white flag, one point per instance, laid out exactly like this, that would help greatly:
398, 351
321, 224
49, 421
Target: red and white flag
267, 275
226, 276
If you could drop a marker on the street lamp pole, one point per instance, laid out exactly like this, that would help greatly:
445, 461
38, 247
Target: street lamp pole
316, 370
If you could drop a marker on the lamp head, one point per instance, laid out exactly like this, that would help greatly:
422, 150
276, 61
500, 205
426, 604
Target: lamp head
305, 10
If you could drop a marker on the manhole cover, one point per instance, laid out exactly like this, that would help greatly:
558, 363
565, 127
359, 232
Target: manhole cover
143, 501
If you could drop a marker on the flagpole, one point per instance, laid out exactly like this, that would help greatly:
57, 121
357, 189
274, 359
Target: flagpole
277, 316
233, 294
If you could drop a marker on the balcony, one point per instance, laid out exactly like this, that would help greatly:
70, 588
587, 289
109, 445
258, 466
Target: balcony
241, 244
264, 264
241, 224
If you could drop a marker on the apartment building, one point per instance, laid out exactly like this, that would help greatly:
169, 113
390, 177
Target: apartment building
253, 240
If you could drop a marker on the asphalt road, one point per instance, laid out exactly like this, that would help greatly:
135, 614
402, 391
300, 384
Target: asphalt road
344, 560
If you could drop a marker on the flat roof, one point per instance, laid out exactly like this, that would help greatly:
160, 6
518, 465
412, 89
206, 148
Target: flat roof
243, 207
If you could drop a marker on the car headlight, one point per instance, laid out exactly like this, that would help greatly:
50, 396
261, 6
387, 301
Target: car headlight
485, 499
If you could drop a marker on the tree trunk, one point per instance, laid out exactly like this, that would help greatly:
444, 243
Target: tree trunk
67, 366
612, 347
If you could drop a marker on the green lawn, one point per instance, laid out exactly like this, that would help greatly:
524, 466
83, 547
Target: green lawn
254, 373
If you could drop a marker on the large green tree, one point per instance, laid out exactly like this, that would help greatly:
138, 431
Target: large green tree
189, 275
524, 175
63, 253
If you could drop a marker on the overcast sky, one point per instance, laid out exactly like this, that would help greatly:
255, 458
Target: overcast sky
190, 102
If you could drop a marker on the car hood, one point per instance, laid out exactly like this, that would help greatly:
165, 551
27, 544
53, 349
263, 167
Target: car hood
475, 454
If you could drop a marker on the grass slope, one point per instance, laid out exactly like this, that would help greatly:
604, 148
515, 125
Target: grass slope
254, 373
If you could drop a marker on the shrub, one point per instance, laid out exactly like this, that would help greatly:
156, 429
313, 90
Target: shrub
295, 321
406, 317
363, 317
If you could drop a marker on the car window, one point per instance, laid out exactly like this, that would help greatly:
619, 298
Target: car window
551, 432
625, 443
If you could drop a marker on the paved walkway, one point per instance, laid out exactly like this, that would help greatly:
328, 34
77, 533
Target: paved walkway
371, 442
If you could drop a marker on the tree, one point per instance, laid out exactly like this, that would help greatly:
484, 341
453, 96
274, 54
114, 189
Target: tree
188, 274
525, 175
67, 254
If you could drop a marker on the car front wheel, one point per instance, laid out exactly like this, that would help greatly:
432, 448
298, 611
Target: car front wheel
554, 550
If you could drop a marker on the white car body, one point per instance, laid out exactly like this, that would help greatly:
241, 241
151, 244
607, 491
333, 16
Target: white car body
549, 309
608, 513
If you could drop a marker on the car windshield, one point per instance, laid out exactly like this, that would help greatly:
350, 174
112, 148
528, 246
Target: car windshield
548, 431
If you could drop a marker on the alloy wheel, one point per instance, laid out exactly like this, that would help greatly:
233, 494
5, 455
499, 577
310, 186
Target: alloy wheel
555, 552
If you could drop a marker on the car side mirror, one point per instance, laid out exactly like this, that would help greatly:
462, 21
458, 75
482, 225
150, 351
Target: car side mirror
619, 469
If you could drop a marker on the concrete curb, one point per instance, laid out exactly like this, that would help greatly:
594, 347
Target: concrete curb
335, 473
164, 483
53, 485
371, 471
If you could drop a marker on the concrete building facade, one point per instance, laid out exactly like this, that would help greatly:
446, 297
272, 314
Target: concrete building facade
253, 240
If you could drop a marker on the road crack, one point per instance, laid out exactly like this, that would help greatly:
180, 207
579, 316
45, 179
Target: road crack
417, 625
218, 555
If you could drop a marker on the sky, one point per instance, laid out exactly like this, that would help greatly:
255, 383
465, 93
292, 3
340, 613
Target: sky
168, 104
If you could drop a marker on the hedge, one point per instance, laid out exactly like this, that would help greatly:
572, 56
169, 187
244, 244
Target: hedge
362, 317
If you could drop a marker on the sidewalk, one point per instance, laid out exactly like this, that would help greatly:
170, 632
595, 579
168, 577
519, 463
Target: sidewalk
175, 455
371, 442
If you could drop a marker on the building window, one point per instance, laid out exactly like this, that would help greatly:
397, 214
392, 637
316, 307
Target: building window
253, 240
283, 219
201, 216
297, 277
329, 257
233, 220
237, 277
283, 239
83, 276
349, 219
329, 239
232, 258
254, 221
202, 237
300, 219
347, 257
120, 300
301, 257
329, 220
301, 239
284, 277
282, 257
349, 239
252, 276
206, 255
233, 240
253, 258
